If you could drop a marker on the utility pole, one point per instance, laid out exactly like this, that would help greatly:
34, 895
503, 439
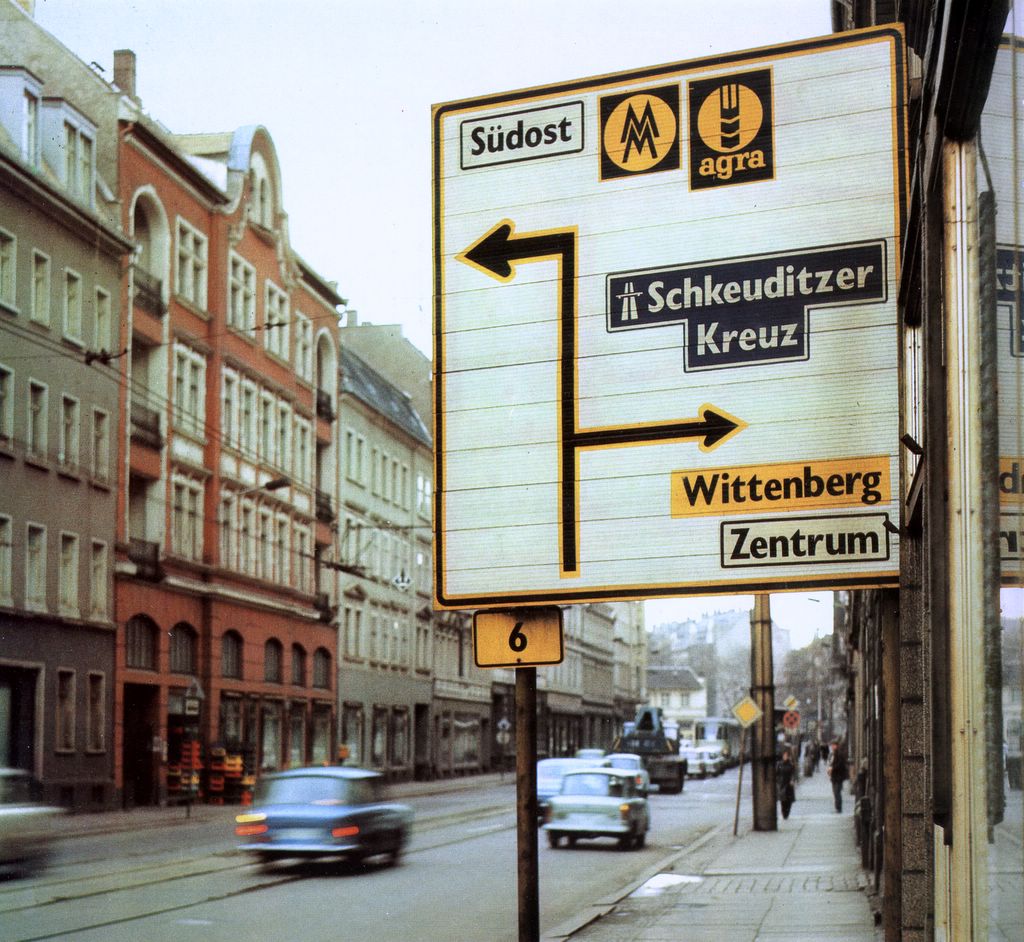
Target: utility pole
762, 689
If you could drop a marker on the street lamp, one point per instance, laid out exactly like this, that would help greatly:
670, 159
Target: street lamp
274, 484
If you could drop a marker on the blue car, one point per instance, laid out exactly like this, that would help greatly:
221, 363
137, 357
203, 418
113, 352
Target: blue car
336, 812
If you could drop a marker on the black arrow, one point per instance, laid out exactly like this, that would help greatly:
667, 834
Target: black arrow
494, 254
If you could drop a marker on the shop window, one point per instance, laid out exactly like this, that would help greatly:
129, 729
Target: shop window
271, 752
352, 723
65, 731
297, 740
96, 730
399, 738
231, 720
379, 738
321, 738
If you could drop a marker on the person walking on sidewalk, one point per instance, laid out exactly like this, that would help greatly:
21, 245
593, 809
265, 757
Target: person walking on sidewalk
838, 772
785, 772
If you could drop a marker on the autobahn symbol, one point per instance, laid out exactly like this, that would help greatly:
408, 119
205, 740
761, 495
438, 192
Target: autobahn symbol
494, 254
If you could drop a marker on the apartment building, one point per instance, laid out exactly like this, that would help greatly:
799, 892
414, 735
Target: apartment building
61, 254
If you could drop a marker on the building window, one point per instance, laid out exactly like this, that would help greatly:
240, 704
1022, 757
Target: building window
39, 307
72, 305
186, 518
189, 390
303, 453
140, 643
98, 578
227, 530
272, 657
95, 733
266, 549
100, 445
281, 569
102, 326
303, 556
229, 409
353, 632
191, 283
284, 427
424, 492
241, 294
275, 321
35, 567
231, 655
31, 149
68, 573
355, 448
298, 665
37, 417
78, 174
65, 727
8, 268
69, 422
303, 347
247, 419
6, 548
6, 406
183, 649
266, 427
246, 537
322, 669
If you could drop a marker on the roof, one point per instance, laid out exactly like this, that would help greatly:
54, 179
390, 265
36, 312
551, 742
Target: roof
673, 678
360, 380
326, 771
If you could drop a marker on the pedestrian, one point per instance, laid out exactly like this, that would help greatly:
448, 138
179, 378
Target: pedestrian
838, 772
785, 772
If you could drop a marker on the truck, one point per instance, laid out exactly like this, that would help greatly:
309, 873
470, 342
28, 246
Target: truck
657, 744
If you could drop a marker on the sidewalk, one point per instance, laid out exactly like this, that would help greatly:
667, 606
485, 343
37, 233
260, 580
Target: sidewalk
802, 883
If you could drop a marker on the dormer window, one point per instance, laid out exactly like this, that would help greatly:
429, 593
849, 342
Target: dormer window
20, 97
261, 207
68, 147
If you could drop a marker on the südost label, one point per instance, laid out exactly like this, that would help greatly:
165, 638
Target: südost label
522, 135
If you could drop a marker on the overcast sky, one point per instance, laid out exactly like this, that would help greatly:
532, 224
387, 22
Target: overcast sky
345, 89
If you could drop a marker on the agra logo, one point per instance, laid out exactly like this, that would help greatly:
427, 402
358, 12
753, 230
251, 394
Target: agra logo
640, 132
731, 129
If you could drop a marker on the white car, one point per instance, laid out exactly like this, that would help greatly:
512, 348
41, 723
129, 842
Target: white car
631, 762
711, 756
598, 802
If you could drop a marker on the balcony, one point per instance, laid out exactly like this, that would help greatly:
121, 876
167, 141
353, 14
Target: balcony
146, 426
146, 556
149, 293
324, 408
324, 507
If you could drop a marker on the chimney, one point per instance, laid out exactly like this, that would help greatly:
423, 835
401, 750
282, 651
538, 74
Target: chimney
124, 71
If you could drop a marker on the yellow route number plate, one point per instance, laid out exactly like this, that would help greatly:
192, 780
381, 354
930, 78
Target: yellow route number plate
524, 637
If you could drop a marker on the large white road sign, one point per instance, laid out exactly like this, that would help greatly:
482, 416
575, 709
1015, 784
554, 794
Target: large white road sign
666, 329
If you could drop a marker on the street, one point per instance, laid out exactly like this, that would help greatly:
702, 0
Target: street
457, 880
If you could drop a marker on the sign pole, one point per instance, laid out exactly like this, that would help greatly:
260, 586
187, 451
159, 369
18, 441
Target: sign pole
526, 803
739, 784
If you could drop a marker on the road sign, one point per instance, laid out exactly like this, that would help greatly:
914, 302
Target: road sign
790, 702
747, 712
666, 329
527, 637
791, 719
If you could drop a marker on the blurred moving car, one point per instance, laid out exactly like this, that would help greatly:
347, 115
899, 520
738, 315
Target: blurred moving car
631, 762
598, 802
337, 812
549, 777
28, 827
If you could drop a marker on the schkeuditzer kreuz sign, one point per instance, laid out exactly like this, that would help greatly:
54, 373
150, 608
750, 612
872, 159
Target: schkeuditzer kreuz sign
666, 330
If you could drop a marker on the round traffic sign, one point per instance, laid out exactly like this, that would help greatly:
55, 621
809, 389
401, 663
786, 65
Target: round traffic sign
791, 720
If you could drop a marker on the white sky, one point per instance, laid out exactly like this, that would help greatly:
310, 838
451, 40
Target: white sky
345, 89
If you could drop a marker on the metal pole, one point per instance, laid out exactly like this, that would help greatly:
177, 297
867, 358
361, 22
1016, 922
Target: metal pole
762, 767
739, 784
526, 803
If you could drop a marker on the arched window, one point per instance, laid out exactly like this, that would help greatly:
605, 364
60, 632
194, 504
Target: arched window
261, 206
272, 657
183, 649
298, 665
322, 669
231, 655
140, 646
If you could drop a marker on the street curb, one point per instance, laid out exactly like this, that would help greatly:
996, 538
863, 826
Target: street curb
605, 905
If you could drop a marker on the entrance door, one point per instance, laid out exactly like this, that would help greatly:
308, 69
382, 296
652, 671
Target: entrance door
18, 717
139, 758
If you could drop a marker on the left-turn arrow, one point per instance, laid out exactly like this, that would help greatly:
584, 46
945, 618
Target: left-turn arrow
495, 252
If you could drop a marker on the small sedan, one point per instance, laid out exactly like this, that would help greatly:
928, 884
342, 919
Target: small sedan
714, 764
28, 827
631, 762
600, 802
696, 766
550, 773
340, 812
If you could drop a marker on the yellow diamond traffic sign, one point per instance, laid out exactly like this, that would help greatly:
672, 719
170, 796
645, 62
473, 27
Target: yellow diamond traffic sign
747, 712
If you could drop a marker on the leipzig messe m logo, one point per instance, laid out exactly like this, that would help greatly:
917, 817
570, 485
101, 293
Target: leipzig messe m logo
731, 129
640, 132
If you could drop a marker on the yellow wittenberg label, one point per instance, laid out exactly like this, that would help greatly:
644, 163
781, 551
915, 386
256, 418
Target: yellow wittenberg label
1011, 480
795, 485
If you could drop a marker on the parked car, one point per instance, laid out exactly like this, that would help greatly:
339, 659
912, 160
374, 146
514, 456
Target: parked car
336, 812
631, 762
714, 764
598, 802
589, 753
549, 777
28, 827
695, 761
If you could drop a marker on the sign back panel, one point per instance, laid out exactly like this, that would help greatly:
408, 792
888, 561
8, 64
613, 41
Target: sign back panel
665, 329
